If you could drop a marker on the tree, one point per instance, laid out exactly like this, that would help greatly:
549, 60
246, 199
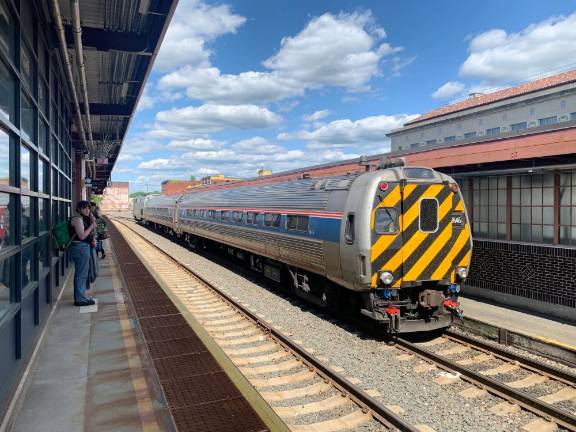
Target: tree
141, 194
97, 199
192, 178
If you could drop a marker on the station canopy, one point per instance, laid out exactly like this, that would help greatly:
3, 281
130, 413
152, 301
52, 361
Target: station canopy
119, 42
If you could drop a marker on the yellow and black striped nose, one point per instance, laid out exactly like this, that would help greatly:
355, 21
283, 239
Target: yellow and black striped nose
428, 245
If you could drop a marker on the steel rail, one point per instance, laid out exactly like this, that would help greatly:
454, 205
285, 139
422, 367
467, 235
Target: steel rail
557, 374
529, 403
368, 404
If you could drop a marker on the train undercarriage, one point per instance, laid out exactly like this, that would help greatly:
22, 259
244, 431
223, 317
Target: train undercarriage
414, 309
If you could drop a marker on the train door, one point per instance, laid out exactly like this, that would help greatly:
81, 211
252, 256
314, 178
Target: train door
386, 232
427, 231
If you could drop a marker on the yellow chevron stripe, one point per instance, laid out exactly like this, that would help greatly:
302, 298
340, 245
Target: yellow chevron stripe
381, 245
460, 206
463, 237
385, 240
436, 245
407, 218
431, 253
466, 260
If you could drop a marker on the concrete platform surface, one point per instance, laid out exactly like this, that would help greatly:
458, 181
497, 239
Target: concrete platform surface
534, 326
92, 372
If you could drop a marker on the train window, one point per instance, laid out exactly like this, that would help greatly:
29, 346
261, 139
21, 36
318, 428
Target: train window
238, 215
386, 221
272, 219
419, 173
226, 216
252, 218
297, 223
429, 215
349, 234
212, 214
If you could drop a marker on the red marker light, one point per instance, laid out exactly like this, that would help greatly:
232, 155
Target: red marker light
383, 186
454, 188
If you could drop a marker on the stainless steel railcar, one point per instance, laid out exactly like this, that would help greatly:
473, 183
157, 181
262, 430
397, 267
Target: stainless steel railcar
396, 242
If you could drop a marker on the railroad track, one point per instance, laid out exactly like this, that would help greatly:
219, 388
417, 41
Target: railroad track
294, 382
446, 353
473, 354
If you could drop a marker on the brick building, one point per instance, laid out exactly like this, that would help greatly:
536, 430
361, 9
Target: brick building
514, 154
116, 196
175, 187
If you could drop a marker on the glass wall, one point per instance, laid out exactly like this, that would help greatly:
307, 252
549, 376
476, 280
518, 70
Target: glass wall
35, 156
534, 208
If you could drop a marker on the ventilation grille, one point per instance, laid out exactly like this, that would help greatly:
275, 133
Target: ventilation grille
428, 215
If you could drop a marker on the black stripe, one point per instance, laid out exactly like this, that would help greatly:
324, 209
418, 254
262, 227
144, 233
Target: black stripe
460, 255
408, 232
423, 247
439, 258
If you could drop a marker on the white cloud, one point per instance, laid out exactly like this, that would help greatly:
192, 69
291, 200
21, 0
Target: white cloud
257, 145
315, 116
399, 63
355, 134
155, 164
210, 85
194, 24
127, 157
195, 144
207, 171
210, 118
545, 47
332, 50
146, 100
449, 90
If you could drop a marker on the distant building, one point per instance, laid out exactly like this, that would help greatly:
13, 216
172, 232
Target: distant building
264, 172
115, 196
529, 108
174, 187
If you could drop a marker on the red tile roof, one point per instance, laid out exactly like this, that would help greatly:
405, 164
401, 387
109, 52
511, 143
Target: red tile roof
472, 102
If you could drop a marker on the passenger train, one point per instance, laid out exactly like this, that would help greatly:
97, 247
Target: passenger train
395, 243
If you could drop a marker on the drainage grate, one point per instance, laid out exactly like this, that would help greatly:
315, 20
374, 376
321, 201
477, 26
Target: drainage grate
176, 347
165, 321
199, 389
167, 333
201, 418
201, 397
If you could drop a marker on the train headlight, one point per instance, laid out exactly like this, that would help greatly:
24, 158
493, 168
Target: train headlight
462, 272
386, 278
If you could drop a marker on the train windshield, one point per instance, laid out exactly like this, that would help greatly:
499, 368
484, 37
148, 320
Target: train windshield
386, 221
419, 173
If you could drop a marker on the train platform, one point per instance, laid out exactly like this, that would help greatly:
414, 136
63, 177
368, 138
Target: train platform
91, 371
125, 364
524, 329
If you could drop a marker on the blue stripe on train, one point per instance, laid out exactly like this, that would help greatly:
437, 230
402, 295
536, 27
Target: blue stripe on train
327, 229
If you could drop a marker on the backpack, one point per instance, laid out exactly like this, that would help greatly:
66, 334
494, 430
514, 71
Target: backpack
61, 235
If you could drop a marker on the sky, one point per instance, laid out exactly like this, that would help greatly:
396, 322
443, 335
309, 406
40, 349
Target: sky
247, 84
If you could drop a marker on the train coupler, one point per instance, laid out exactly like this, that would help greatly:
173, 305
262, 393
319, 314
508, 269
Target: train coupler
393, 314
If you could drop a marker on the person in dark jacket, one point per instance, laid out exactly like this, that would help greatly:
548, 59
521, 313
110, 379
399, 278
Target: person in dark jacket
83, 226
